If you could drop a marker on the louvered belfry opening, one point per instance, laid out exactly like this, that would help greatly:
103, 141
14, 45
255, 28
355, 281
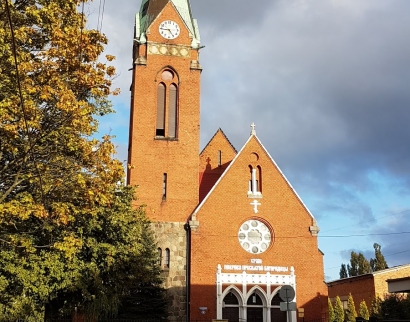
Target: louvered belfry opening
172, 116
167, 105
160, 127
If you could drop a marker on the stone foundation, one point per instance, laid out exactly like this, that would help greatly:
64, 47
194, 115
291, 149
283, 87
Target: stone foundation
172, 236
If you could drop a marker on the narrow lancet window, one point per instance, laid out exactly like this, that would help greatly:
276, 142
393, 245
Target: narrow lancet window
159, 256
255, 181
164, 186
160, 126
259, 186
173, 111
167, 258
250, 181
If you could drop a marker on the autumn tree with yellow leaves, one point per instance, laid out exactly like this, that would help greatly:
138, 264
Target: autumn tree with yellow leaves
67, 228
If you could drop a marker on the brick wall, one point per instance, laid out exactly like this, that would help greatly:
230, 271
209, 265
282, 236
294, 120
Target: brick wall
380, 278
220, 217
366, 287
149, 156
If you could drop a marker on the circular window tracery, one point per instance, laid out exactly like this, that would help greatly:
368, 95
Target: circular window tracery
254, 236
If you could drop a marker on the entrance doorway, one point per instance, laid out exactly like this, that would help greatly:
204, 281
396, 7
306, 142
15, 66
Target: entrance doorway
230, 311
276, 314
254, 312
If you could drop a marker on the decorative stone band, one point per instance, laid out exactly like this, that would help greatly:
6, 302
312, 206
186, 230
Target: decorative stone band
246, 278
168, 50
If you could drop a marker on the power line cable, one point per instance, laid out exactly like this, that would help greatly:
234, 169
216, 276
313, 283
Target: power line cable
276, 236
365, 235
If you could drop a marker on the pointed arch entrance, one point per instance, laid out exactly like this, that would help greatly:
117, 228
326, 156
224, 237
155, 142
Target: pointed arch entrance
275, 313
230, 309
252, 297
254, 308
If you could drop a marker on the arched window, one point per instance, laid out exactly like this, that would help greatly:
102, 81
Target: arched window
172, 111
159, 256
164, 186
250, 188
259, 181
167, 258
255, 181
160, 126
167, 105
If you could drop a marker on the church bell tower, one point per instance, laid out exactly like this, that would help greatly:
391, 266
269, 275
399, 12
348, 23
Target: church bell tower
163, 153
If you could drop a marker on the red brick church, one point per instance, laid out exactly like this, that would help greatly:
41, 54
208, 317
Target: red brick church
230, 228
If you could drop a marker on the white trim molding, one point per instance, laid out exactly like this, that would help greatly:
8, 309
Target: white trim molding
238, 283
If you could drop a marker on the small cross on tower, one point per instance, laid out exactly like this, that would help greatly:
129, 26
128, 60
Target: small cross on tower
253, 132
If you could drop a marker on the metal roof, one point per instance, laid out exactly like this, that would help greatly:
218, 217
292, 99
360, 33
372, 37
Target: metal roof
150, 9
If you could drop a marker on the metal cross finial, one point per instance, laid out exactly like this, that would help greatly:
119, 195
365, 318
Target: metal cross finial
253, 132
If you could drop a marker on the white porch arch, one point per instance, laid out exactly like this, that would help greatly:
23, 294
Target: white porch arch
266, 286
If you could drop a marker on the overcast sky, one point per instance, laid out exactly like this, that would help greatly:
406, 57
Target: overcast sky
327, 83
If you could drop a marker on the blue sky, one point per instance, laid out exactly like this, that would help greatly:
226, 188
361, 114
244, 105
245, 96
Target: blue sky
327, 82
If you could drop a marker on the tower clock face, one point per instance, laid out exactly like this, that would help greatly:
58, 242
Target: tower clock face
169, 29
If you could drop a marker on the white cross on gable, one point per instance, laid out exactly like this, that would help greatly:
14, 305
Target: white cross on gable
253, 132
255, 205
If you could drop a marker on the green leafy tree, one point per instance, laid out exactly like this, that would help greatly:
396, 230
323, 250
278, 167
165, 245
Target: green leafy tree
68, 232
363, 311
331, 311
351, 310
376, 307
353, 267
338, 309
145, 298
378, 263
364, 265
343, 271
395, 306
358, 264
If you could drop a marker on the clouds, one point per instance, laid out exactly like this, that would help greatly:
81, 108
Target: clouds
327, 83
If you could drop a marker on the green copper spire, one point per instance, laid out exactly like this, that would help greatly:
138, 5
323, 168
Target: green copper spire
150, 9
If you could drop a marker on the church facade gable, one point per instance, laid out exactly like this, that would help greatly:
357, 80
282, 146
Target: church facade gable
252, 230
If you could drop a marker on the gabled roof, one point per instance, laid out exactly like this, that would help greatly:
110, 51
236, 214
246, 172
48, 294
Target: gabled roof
150, 9
226, 172
213, 161
222, 132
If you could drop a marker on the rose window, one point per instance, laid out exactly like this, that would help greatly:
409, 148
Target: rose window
254, 236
